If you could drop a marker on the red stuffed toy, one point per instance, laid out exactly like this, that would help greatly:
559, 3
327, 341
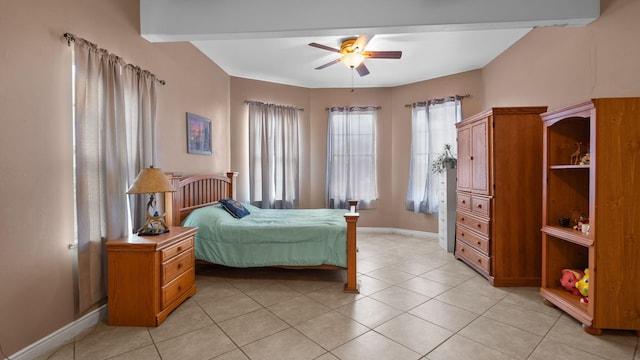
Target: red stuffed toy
569, 279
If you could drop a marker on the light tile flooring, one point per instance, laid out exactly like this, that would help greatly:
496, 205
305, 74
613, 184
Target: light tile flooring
416, 302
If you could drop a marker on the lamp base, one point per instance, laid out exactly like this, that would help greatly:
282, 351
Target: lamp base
152, 232
154, 225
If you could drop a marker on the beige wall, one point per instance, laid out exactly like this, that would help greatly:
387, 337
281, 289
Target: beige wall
549, 66
36, 189
562, 66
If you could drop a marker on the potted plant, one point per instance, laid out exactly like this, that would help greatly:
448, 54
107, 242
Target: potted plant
445, 160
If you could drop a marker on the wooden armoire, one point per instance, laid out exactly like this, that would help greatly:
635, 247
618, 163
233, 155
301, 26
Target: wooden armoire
499, 192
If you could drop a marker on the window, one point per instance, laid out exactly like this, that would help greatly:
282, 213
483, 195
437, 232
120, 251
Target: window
432, 126
351, 157
273, 156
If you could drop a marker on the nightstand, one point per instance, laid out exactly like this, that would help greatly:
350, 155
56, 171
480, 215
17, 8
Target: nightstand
149, 276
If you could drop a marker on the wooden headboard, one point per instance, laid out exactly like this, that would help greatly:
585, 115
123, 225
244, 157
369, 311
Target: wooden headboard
196, 191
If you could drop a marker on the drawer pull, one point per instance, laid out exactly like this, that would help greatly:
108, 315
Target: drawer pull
479, 226
478, 242
464, 201
179, 248
461, 234
461, 219
480, 261
180, 266
462, 250
479, 206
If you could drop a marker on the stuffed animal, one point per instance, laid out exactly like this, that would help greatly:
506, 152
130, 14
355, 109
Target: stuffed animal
569, 279
583, 284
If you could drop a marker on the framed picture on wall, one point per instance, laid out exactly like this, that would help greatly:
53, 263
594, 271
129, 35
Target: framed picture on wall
198, 135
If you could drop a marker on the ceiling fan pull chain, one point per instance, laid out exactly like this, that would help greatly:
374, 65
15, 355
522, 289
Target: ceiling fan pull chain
352, 79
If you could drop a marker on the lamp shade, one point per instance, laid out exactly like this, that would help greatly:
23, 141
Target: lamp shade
353, 59
150, 180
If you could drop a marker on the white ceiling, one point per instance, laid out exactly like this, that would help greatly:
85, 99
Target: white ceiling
268, 41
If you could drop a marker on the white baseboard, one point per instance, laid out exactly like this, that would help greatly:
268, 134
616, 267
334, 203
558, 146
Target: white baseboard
61, 336
382, 230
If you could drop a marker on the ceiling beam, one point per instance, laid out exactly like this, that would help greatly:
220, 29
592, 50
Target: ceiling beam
188, 20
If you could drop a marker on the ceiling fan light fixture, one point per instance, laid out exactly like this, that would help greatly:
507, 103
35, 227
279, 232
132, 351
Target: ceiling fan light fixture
352, 59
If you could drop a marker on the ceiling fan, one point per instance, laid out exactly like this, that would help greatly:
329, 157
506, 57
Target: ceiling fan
352, 54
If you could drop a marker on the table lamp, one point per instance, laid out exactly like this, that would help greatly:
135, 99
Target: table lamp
151, 181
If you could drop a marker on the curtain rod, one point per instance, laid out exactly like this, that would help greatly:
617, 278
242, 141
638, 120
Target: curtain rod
269, 104
361, 108
72, 38
438, 101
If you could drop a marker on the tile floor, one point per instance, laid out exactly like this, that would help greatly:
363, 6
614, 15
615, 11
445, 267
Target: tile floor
416, 302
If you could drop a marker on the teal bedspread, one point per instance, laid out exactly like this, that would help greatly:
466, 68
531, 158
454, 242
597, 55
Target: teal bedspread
268, 237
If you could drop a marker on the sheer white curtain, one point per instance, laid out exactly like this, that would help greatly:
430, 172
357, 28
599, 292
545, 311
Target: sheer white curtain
274, 178
107, 112
432, 126
351, 157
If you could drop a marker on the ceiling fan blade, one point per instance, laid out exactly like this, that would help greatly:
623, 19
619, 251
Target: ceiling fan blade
324, 47
383, 54
329, 64
362, 70
361, 42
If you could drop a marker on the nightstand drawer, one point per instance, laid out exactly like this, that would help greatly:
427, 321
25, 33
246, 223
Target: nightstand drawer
176, 249
479, 225
176, 266
472, 257
478, 242
177, 287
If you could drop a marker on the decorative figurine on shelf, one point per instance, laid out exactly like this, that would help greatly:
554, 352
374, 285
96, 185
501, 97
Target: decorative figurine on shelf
582, 225
575, 157
586, 159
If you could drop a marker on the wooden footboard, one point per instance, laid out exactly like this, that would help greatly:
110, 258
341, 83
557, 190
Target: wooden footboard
196, 191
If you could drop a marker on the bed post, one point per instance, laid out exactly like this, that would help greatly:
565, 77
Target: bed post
352, 219
172, 200
233, 177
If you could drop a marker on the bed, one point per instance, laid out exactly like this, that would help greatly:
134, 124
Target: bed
196, 202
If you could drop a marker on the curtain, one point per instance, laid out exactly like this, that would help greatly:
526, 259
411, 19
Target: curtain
140, 107
351, 157
432, 126
107, 111
274, 179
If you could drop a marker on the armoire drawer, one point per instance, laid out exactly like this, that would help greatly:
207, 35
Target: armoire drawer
481, 206
472, 257
463, 202
480, 225
479, 243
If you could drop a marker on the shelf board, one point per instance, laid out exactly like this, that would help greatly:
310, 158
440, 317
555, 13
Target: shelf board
568, 234
565, 167
569, 303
